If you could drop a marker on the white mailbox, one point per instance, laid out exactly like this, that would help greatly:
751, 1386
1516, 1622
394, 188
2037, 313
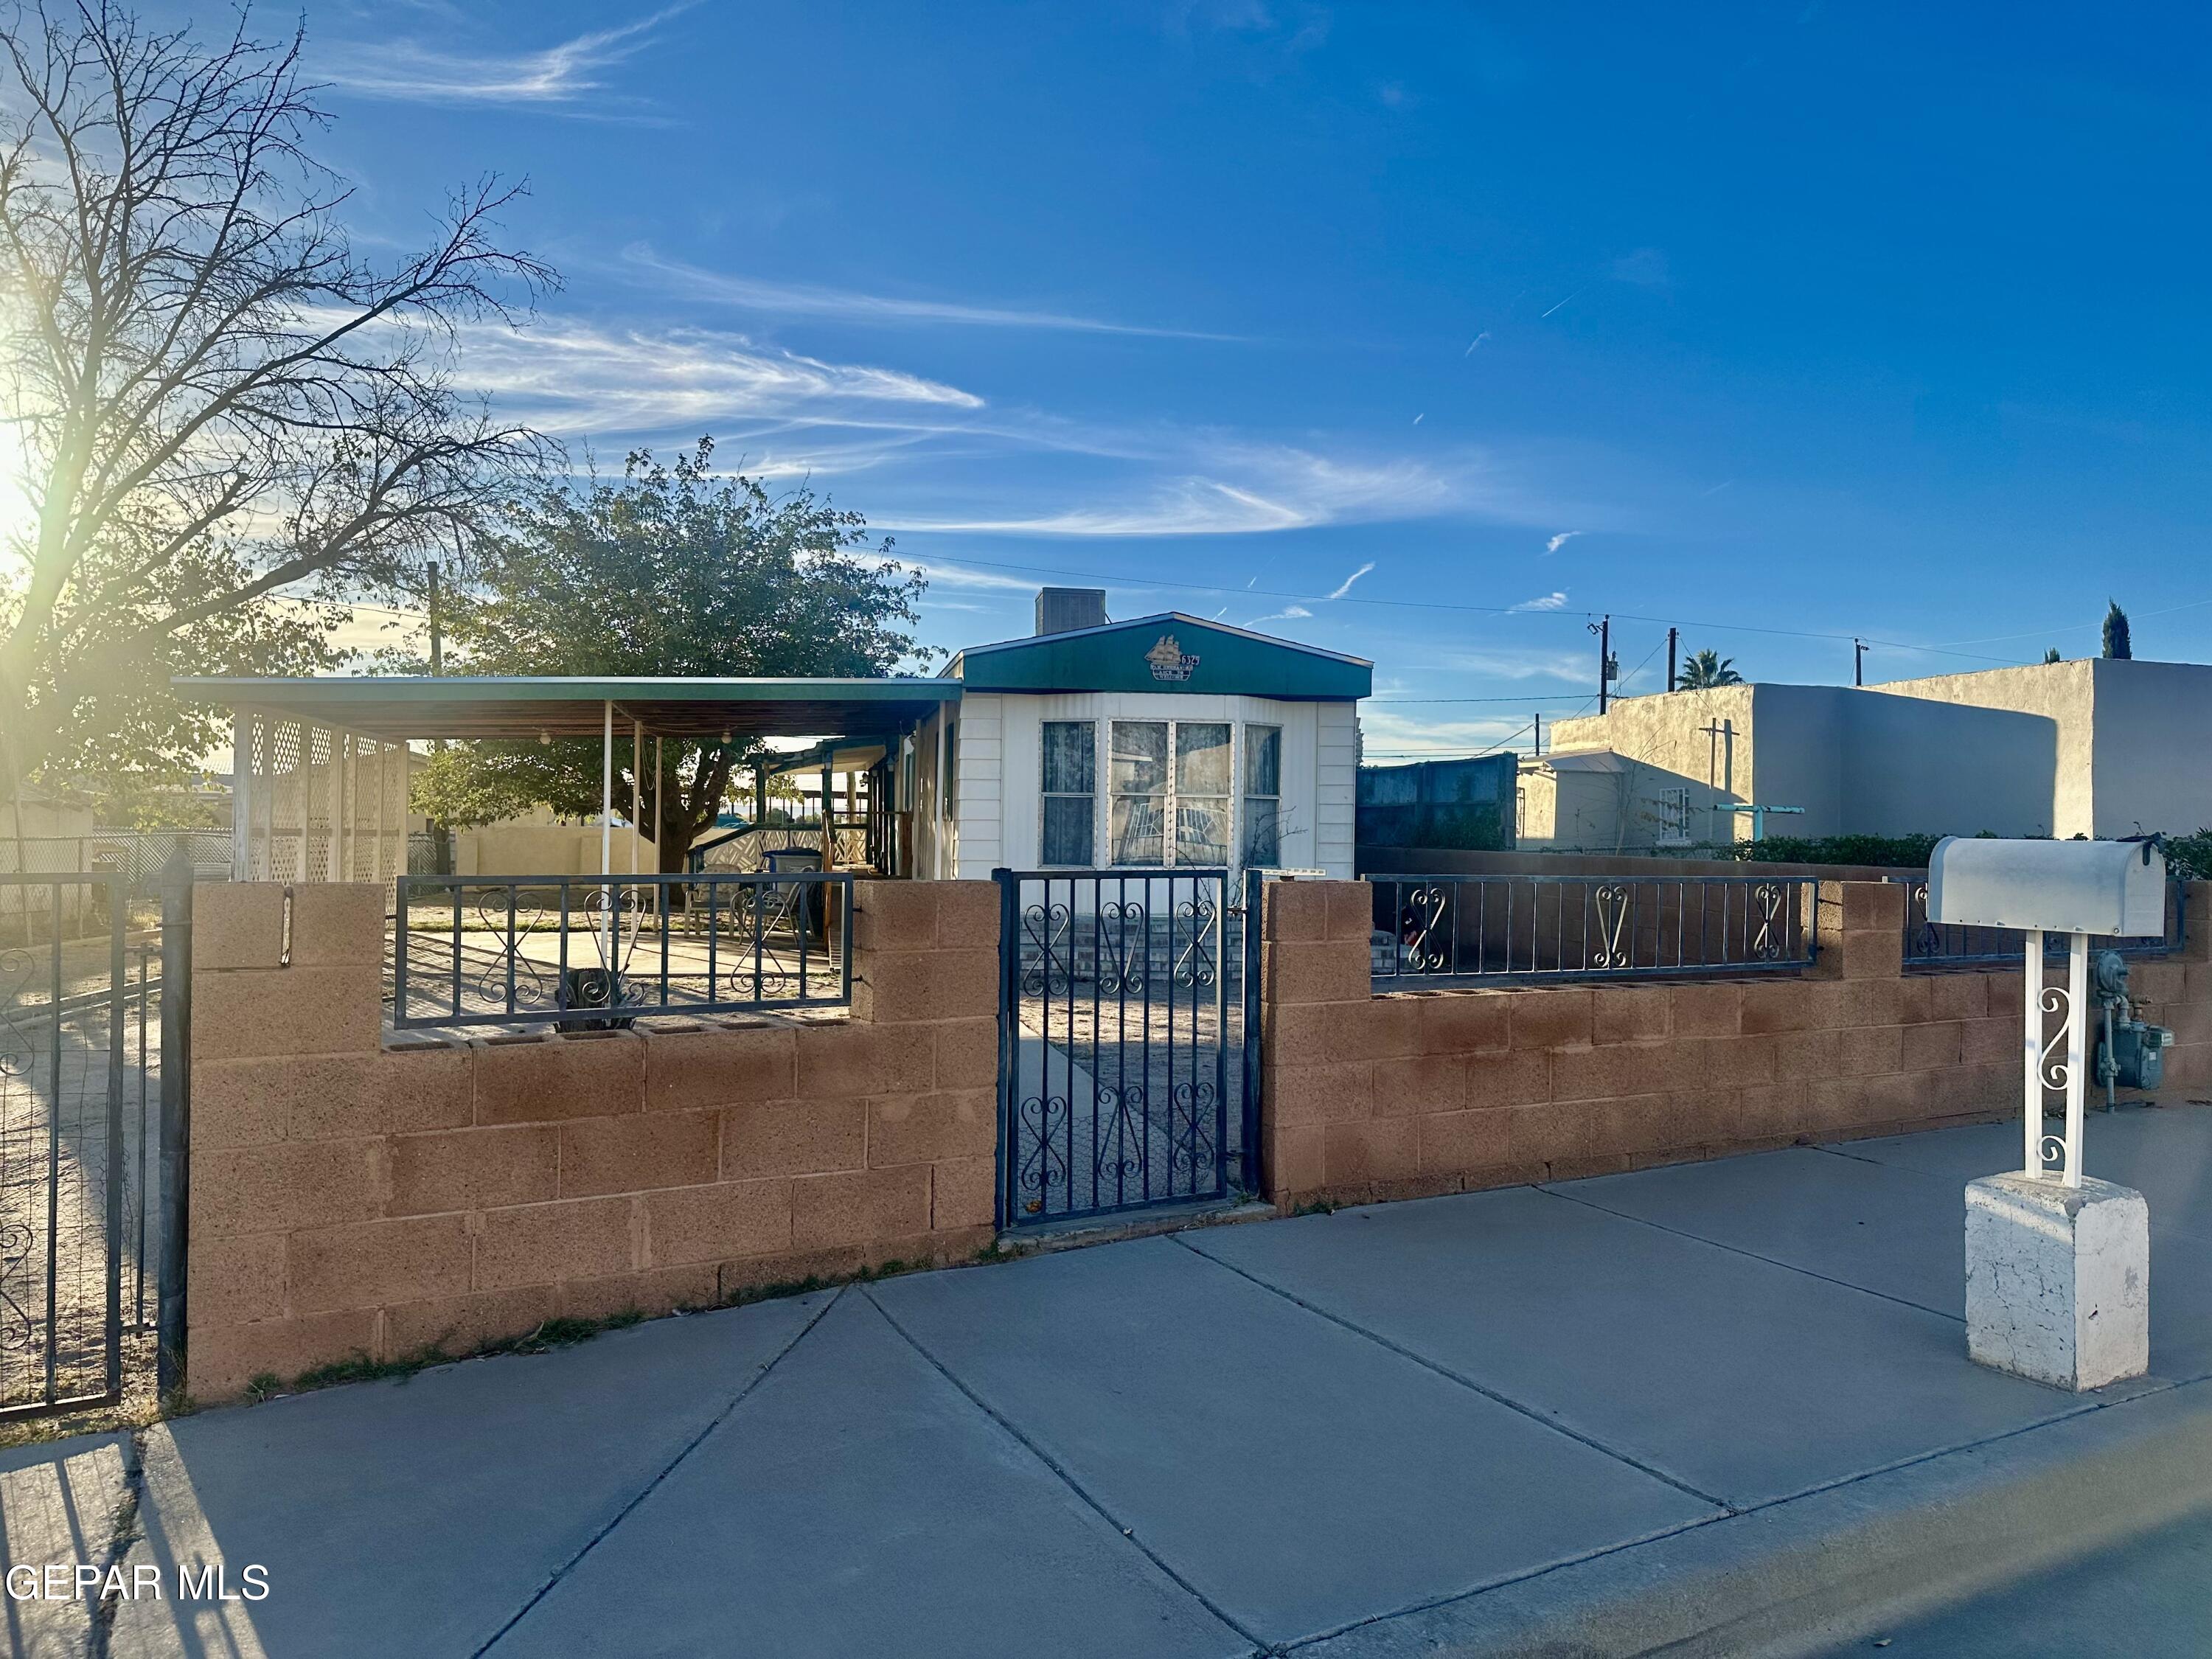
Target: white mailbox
2057, 1264
2060, 886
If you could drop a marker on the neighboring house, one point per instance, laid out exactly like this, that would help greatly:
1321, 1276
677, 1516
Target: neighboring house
1457, 804
1164, 740
2097, 747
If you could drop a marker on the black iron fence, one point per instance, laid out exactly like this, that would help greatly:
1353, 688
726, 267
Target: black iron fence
81, 1028
1929, 944
1554, 928
589, 953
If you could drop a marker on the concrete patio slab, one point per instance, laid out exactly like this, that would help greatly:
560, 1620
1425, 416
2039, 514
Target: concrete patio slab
417, 1517
1300, 1476
857, 1502
1744, 1380
57, 1505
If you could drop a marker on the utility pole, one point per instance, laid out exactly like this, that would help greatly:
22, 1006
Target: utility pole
1537, 748
1673, 638
1606, 668
1858, 662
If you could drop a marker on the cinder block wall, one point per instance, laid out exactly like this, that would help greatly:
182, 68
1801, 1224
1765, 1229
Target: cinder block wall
1397, 1096
352, 1196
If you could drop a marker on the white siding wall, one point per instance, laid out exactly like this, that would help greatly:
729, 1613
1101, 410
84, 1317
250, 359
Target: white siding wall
1001, 819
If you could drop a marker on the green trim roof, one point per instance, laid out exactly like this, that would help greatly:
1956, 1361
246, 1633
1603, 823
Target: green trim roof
398, 707
1170, 652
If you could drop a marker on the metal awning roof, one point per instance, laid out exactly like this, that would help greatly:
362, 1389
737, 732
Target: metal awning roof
839, 754
397, 707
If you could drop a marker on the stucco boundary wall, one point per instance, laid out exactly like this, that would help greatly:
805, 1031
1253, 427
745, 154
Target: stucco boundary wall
355, 1196
1405, 1095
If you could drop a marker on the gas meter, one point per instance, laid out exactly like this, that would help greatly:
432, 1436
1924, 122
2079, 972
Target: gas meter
2131, 1051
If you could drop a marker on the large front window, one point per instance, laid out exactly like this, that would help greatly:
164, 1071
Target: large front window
1172, 797
1263, 795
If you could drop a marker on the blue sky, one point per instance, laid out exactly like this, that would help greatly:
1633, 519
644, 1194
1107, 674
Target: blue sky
1422, 332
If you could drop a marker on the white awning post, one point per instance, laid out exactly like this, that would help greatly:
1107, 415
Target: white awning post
2077, 1050
607, 832
2032, 1118
243, 795
660, 821
303, 771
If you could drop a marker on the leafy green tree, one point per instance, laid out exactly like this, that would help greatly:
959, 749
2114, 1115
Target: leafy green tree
1707, 669
671, 571
2051, 655
2117, 643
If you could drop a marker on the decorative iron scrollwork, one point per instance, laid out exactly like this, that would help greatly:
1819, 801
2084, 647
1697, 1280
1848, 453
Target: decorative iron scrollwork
1044, 1164
1419, 921
18, 1048
1766, 944
1048, 971
18, 1333
1126, 925
1613, 913
1190, 1132
2050, 1065
1195, 967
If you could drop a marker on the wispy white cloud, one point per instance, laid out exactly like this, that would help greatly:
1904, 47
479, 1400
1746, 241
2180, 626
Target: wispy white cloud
1561, 540
559, 74
1506, 664
573, 378
1288, 613
1345, 586
1475, 342
808, 300
1553, 601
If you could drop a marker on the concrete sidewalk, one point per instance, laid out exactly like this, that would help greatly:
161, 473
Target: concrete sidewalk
1726, 1406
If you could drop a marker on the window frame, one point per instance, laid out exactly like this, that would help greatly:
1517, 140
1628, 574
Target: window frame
1169, 795
1246, 796
1044, 795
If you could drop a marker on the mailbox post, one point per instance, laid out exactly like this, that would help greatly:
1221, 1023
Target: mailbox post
2058, 1263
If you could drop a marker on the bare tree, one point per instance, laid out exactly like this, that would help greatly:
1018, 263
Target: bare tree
218, 399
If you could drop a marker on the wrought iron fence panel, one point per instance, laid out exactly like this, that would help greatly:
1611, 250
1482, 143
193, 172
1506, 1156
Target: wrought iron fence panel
591, 952
1116, 1023
79, 1208
1929, 944
1508, 928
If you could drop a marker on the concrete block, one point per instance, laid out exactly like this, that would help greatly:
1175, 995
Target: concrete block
1708, 1010
1957, 996
237, 925
1721, 1063
1523, 1077
549, 1243
336, 924
894, 987
461, 1324
1622, 1069
1807, 1054
1298, 1095
1296, 1161
1336, 971
1338, 1033
220, 1360
794, 1138
923, 1128
1465, 1022
895, 915
1629, 1014
286, 1012
1377, 1149
846, 1060
1929, 1047
1870, 1050
1783, 1004
1351, 912
859, 1208
233, 1281
967, 1054
377, 1262
543, 1081
967, 914
1877, 954
650, 1291
1550, 1019
1296, 910
963, 1193
1420, 1083
1456, 1142
2059, 1279
720, 1067
273, 1189
639, 1152
474, 1168
729, 1219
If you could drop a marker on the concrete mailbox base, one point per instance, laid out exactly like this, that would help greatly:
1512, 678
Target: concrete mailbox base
2059, 1279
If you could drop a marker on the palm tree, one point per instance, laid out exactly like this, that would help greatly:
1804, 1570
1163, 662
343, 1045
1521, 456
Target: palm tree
1707, 669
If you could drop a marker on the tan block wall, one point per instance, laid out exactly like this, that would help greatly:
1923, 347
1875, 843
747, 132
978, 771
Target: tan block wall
1395, 1096
355, 1196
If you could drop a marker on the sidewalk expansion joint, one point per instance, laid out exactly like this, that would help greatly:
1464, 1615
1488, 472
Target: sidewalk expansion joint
1260, 1645
1450, 1375
666, 1469
1738, 1249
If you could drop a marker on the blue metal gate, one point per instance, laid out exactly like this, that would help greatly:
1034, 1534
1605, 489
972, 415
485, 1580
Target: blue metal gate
1123, 1078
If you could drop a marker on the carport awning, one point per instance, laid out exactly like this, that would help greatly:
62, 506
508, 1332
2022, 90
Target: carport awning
398, 707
